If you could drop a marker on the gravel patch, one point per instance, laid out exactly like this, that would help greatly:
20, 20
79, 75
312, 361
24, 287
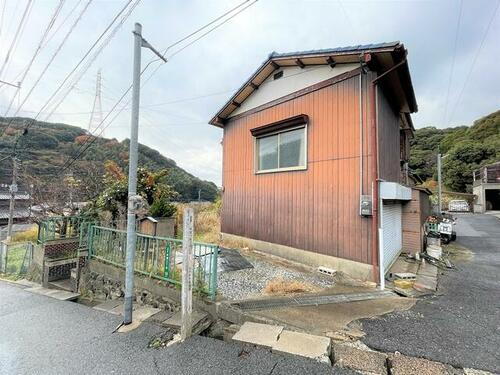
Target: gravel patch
248, 283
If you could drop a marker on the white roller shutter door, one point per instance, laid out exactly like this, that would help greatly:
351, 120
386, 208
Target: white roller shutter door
392, 232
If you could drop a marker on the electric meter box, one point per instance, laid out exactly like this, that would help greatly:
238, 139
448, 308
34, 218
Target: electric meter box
365, 205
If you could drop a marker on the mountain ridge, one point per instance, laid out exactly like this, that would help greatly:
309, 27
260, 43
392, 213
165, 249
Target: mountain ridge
47, 147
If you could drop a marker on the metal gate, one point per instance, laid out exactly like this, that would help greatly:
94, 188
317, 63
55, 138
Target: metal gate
15, 258
392, 233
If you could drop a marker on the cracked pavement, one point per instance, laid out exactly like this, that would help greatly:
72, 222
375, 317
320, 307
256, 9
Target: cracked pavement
459, 326
41, 335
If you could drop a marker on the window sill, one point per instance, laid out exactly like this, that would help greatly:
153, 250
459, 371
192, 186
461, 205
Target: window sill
290, 169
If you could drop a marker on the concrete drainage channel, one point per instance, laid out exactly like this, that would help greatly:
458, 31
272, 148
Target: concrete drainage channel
310, 300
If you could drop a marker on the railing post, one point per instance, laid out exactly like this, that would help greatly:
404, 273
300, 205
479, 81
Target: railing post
166, 265
90, 241
213, 274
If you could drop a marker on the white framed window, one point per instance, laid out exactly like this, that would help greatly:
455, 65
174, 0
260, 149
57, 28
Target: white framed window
283, 150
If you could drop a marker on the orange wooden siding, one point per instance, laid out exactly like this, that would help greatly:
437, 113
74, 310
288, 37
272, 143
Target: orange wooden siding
315, 209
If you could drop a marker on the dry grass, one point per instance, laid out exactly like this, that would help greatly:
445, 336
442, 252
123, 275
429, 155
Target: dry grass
28, 235
206, 221
279, 286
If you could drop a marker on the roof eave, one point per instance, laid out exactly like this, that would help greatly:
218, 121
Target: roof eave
274, 58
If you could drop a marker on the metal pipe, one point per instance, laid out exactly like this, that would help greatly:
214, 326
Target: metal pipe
360, 137
375, 179
378, 268
132, 178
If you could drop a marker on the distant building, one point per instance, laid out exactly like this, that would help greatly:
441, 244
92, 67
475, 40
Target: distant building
21, 207
486, 188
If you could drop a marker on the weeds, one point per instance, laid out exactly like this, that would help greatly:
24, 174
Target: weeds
279, 286
27, 235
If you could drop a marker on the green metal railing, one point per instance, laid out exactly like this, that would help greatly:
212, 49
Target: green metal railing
60, 227
156, 257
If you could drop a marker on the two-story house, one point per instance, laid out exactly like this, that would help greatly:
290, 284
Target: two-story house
315, 152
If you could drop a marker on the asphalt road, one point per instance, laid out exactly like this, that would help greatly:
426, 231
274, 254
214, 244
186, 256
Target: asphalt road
40, 335
461, 324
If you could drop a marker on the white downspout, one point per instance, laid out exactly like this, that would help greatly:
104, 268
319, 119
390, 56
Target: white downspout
381, 245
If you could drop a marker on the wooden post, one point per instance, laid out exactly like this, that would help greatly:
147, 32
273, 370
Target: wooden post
187, 274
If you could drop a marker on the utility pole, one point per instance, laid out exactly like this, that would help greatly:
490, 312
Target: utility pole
440, 204
13, 191
133, 199
199, 195
70, 181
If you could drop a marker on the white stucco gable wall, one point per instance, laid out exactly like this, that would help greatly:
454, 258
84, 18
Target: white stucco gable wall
294, 78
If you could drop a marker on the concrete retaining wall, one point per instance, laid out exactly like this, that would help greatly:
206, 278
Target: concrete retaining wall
360, 271
105, 281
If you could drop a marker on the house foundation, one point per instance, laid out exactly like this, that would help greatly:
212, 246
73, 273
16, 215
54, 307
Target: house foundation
356, 270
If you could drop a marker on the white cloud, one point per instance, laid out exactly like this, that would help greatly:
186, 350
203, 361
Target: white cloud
224, 59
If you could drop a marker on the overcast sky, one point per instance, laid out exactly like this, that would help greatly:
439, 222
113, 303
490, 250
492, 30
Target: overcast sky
193, 85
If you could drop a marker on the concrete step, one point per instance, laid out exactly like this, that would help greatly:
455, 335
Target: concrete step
201, 321
282, 341
61, 295
64, 284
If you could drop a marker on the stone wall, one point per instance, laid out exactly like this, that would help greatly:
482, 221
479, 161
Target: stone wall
103, 281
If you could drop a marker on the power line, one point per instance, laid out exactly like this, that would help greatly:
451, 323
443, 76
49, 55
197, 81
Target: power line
16, 35
38, 49
56, 31
212, 29
478, 52
83, 150
79, 63
52, 58
204, 26
453, 61
96, 54
1, 18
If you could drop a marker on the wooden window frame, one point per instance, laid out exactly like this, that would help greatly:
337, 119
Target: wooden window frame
279, 127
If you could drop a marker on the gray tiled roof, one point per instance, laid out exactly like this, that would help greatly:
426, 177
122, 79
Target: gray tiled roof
18, 213
19, 196
360, 47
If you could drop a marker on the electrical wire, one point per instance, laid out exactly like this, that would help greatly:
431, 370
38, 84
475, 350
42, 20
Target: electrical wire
78, 64
212, 29
204, 27
38, 50
1, 18
93, 57
56, 31
83, 150
16, 35
453, 61
478, 52
52, 58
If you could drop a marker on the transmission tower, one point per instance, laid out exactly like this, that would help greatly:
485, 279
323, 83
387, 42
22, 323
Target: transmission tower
96, 115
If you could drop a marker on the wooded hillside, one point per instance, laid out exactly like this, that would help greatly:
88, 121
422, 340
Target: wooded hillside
47, 147
467, 148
